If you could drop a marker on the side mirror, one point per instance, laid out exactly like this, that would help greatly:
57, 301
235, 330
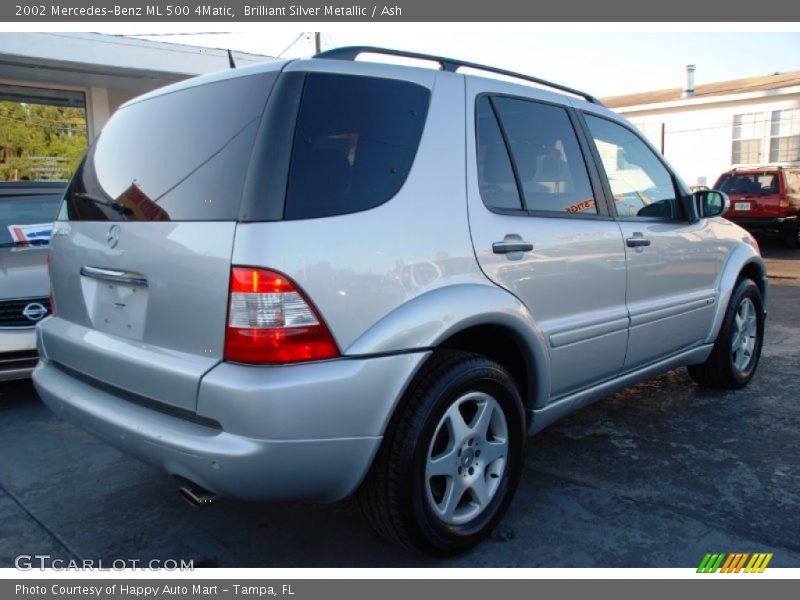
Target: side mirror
710, 203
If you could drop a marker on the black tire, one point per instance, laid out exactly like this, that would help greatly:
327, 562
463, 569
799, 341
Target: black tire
792, 237
719, 371
394, 496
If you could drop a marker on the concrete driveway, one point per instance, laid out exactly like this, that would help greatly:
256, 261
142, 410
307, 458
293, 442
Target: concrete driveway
656, 475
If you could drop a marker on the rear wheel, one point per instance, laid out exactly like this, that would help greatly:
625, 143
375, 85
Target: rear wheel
736, 352
451, 461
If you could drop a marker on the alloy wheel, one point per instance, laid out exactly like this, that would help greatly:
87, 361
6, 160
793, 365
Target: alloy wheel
745, 330
466, 458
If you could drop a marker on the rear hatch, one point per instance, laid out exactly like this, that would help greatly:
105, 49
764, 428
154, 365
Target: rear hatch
753, 194
141, 252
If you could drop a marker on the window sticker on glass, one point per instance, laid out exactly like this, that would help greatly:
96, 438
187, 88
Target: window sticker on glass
31, 235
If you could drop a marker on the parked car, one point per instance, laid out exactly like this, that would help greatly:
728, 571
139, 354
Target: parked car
764, 200
306, 279
27, 211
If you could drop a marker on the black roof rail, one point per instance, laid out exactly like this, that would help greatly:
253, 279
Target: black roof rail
447, 64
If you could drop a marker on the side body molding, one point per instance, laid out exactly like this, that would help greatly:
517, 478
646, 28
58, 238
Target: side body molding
430, 318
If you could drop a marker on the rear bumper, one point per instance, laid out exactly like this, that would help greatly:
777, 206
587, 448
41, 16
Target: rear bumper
303, 432
766, 224
17, 353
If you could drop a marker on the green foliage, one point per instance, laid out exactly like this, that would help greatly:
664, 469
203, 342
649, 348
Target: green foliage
40, 141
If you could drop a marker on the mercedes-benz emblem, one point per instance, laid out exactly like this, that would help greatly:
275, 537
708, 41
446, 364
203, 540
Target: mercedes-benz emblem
34, 311
112, 238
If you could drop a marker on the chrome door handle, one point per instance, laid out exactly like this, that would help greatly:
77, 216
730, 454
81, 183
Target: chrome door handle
507, 247
115, 276
637, 241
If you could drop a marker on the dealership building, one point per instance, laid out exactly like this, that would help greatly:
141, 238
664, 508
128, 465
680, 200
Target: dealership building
98, 73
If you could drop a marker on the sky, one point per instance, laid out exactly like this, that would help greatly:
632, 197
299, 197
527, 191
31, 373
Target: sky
601, 63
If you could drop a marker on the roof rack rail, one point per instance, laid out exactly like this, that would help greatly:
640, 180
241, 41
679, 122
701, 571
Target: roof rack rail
447, 64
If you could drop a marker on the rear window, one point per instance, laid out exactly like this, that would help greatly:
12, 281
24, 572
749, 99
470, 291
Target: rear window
749, 183
181, 156
27, 220
354, 143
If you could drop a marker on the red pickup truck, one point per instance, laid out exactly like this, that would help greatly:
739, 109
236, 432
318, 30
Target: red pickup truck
764, 200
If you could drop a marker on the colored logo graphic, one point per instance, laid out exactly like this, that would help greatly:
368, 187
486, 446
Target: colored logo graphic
735, 562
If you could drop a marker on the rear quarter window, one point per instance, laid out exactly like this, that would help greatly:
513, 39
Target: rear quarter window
354, 143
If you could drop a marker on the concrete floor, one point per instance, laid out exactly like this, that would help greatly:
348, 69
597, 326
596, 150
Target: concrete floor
656, 475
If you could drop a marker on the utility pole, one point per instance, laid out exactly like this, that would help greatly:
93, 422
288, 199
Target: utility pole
317, 42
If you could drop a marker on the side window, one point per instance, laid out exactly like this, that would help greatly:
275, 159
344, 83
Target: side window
354, 144
495, 175
548, 159
640, 183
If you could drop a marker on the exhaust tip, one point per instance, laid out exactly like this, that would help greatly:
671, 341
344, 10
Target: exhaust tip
197, 496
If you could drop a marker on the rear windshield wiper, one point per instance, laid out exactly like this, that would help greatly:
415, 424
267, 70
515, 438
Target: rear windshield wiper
115, 206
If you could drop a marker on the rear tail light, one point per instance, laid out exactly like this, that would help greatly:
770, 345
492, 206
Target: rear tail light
783, 203
270, 321
50, 277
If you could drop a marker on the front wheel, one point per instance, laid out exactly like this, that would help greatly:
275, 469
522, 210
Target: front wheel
451, 460
733, 361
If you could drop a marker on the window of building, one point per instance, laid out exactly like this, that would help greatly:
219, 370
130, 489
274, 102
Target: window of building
42, 133
784, 141
748, 138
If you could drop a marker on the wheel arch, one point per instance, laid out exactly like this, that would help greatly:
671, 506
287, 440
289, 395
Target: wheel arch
744, 261
478, 318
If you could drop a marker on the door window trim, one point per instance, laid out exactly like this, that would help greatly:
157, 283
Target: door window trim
595, 181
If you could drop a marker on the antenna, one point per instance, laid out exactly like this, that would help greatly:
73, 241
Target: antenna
230, 60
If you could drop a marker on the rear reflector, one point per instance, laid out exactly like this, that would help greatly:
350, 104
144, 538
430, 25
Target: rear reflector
270, 321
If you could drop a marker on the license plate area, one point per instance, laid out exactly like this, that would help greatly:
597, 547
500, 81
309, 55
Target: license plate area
115, 308
741, 206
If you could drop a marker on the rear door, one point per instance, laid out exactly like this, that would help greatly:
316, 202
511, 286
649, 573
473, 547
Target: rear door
540, 230
142, 249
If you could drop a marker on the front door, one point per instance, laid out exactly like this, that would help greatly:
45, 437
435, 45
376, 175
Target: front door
672, 263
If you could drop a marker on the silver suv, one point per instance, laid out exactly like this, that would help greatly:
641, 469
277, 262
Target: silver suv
304, 279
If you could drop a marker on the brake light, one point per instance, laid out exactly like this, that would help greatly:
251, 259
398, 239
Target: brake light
50, 278
783, 203
270, 321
